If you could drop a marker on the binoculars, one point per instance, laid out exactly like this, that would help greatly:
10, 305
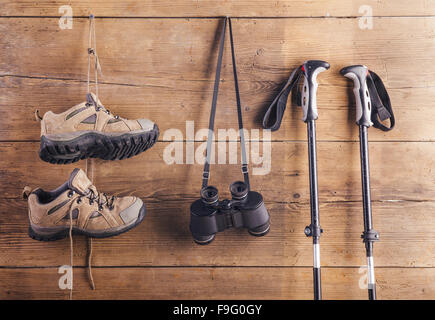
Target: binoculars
246, 209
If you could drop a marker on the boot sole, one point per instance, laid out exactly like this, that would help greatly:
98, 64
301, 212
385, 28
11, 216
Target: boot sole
53, 234
58, 149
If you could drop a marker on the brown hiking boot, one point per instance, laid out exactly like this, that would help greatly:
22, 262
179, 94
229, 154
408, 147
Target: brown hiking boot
78, 204
88, 130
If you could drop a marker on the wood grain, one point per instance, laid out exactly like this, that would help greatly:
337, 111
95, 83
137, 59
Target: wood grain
180, 89
163, 69
208, 8
266, 49
393, 177
170, 107
219, 283
163, 239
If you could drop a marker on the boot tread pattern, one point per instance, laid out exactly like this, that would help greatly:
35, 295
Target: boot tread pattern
97, 145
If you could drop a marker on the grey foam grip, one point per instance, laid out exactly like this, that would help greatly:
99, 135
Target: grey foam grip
311, 69
358, 73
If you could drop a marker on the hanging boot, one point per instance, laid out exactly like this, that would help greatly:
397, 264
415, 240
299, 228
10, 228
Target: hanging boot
89, 130
77, 205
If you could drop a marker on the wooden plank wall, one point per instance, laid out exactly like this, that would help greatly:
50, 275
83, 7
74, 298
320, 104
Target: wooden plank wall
158, 60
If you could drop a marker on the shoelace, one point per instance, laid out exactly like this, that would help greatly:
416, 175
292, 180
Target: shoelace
71, 250
92, 51
93, 195
101, 198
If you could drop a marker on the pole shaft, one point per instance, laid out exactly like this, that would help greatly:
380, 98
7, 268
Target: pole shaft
367, 208
365, 178
314, 205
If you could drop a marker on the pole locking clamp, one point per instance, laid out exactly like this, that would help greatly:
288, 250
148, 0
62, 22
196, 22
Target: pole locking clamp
313, 231
370, 236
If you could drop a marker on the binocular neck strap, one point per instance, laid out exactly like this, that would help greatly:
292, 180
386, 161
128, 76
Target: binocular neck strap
206, 173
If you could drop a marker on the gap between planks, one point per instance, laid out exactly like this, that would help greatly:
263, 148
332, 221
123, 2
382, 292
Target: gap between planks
135, 85
249, 140
151, 200
212, 267
219, 17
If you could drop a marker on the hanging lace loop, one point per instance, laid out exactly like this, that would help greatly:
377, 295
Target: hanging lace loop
92, 55
92, 52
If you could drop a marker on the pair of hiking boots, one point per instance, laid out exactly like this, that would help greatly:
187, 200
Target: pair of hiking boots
87, 130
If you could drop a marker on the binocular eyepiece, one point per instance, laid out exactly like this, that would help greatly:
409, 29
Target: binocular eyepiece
210, 194
239, 190
245, 209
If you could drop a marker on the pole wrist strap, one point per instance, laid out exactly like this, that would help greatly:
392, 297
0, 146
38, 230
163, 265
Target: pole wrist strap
381, 104
274, 114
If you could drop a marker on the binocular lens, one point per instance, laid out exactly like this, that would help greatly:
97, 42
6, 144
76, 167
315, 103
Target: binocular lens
203, 240
238, 190
209, 194
260, 231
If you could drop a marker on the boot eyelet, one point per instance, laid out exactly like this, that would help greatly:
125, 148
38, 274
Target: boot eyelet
79, 200
91, 202
100, 207
70, 194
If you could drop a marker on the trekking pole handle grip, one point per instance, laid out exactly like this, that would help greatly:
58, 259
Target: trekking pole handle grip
359, 73
311, 69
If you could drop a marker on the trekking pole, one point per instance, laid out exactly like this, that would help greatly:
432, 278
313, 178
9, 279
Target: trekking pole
272, 120
310, 71
370, 98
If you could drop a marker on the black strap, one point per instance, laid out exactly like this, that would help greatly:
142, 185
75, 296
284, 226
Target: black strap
206, 173
381, 104
274, 114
